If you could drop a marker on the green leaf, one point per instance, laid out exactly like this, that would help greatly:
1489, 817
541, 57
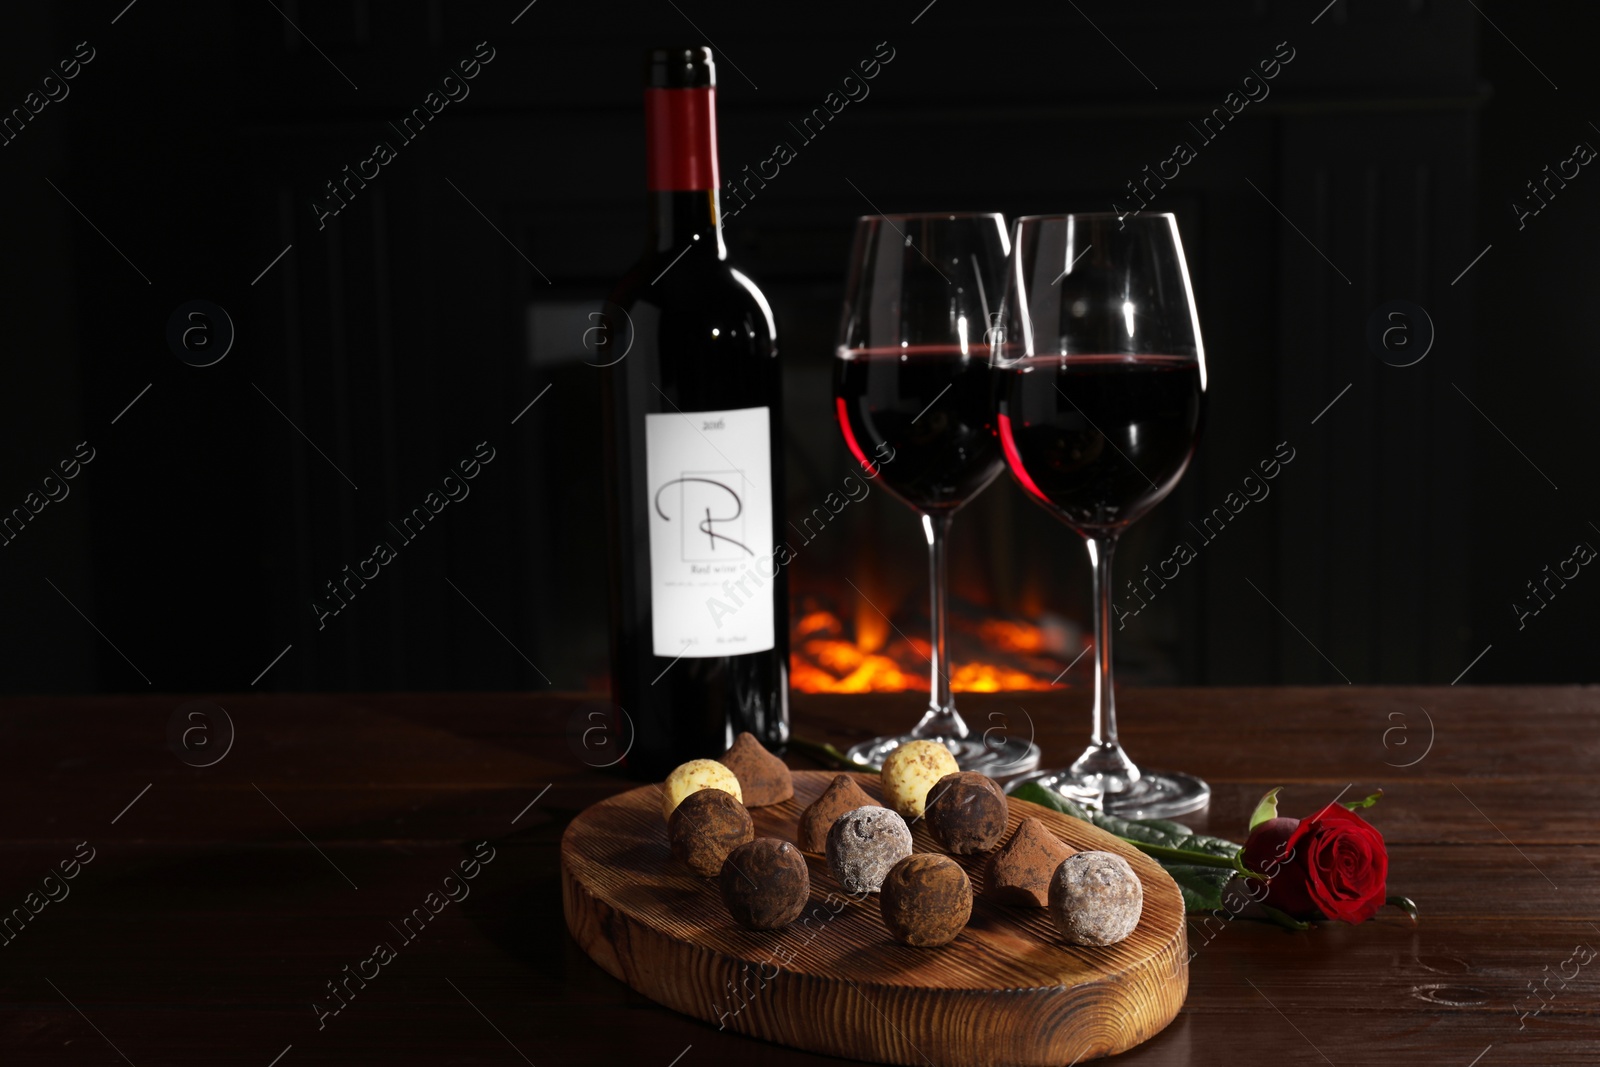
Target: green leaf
1364, 802
1049, 798
1169, 855
1133, 830
1266, 808
1161, 839
1201, 886
1284, 919
1405, 904
1216, 846
1034, 793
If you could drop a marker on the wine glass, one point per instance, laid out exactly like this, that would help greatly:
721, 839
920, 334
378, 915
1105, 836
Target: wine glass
1100, 381
913, 396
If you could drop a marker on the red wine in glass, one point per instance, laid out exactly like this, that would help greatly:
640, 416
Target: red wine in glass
1100, 383
1099, 439
914, 397
931, 405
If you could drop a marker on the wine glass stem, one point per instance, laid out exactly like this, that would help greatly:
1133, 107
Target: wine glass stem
942, 719
1104, 733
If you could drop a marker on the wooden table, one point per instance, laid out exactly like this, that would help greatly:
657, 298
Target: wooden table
220, 901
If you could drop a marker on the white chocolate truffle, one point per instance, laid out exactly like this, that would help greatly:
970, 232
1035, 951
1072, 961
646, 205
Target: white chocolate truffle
694, 776
911, 771
1095, 898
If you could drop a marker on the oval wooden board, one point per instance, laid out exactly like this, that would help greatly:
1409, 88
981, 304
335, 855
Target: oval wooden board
1008, 990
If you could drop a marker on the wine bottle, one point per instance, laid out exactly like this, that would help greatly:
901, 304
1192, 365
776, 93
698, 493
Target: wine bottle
694, 462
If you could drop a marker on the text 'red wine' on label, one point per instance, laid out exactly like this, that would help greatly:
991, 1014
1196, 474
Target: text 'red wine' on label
709, 475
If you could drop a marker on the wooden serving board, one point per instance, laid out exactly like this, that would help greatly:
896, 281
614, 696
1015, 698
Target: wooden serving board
1007, 991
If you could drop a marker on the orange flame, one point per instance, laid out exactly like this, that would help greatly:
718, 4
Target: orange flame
1011, 636
825, 661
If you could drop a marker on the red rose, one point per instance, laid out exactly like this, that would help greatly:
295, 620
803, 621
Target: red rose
1332, 864
1267, 852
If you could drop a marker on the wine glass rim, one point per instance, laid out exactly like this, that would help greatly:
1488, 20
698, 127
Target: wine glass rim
1120, 216
932, 215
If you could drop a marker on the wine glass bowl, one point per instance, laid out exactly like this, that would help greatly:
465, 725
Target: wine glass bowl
913, 398
1100, 382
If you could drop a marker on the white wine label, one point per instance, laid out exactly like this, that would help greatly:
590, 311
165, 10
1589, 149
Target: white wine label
709, 476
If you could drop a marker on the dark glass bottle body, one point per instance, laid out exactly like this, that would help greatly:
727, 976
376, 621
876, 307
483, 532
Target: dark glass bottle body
687, 334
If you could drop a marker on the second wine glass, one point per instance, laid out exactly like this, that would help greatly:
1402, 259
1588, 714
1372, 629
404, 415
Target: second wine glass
1100, 389
912, 396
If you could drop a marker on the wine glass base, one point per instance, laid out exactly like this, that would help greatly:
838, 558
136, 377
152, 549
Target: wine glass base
997, 759
1156, 795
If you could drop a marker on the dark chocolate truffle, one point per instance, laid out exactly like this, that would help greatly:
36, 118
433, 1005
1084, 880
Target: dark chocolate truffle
926, 900
842, 795
1020, 873
765, 884
705, 827
966, 812
763, 777
863, 844
1095, 898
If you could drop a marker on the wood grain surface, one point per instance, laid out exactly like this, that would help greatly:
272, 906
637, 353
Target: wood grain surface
1007, 990
207, 925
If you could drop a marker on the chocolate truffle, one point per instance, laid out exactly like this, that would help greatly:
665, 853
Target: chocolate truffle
967, 812
1020, 873
762, 776
910, 771
765, 884
707, 826
693, 776
1095, 898
842, 795
863, 844
926, 900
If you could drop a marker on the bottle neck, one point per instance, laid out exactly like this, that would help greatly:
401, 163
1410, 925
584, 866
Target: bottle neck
681, 154
680, 217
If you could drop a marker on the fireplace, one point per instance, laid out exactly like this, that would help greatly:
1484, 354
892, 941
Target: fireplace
859, 650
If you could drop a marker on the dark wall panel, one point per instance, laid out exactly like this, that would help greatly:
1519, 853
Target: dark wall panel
451, 292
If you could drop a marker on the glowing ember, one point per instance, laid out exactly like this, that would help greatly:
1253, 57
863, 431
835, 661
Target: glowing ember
814, 622
983, 678
825, 660
1011, 636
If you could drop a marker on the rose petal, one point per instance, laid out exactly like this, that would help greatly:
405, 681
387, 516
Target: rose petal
1344, 864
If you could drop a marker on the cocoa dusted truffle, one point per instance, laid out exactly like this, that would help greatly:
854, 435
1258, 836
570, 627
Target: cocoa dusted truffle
966, 812
1095, 898
926, 900
863, 844
762, 776
842, 795
1020, 873
705, 827
765, 884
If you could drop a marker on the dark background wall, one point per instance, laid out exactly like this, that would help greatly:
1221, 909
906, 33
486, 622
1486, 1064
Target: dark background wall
382, 347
